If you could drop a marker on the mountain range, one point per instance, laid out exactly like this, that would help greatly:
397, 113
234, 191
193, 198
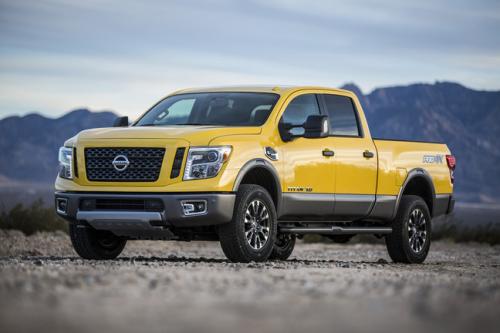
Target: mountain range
30, 144
467, 120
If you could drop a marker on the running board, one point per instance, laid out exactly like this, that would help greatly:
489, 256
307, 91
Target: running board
336, 230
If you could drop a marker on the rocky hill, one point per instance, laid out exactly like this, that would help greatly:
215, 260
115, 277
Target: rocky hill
467, 120
29, 144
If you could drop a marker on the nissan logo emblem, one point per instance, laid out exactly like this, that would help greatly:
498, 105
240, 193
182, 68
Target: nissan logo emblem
120, 163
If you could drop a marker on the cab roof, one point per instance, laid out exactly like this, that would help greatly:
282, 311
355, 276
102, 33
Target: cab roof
276, 89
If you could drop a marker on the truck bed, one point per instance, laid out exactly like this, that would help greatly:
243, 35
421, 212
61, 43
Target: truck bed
397, 158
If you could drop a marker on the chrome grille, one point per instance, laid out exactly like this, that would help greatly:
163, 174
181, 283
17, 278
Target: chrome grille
144, 164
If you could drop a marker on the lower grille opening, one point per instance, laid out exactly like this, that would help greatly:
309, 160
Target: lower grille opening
113, 204
149, 205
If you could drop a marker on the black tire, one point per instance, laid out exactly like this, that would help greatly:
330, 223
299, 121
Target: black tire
283, 247
340, 239
233, 235
400, 247
90, 243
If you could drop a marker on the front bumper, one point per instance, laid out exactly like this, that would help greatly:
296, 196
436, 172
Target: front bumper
170, 213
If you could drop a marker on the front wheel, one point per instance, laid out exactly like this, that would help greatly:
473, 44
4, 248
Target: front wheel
410, 239
251, 234
90, 243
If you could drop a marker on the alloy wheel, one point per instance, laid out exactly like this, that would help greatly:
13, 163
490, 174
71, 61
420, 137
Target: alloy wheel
257, 224
417, 230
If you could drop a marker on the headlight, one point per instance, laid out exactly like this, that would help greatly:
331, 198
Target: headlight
205, 162
66, 162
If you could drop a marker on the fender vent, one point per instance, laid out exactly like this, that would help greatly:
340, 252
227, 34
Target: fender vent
176, 166
75, 163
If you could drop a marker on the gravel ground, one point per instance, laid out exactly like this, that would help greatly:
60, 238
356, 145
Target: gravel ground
190, 287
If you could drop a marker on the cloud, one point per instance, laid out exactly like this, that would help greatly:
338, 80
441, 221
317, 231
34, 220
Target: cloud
55, 55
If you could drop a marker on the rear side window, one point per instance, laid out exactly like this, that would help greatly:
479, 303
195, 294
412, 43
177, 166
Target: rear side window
298, 110
342, 115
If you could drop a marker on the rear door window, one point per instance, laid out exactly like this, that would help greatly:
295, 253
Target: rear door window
342, 115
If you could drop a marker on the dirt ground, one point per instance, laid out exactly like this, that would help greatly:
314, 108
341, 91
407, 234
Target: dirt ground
190, 287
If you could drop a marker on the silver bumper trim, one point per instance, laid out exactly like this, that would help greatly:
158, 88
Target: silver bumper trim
119, 220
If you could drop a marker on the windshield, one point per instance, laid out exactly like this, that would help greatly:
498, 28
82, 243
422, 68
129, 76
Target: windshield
220, 109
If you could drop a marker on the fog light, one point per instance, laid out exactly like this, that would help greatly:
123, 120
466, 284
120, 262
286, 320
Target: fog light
194, 207
62, 205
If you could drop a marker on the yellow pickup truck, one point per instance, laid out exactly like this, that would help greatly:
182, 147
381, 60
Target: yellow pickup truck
253, 168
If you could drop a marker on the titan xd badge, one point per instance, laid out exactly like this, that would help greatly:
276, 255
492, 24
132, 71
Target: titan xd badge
438, 159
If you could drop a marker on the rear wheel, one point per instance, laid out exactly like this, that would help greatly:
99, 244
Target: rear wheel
283, 247
410, 239
90, 243
251, 234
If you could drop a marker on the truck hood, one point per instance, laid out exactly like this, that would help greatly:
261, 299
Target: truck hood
195, 135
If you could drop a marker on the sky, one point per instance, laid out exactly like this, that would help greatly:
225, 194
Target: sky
124, 56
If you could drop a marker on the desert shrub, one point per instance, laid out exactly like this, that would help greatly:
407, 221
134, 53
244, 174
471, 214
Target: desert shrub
33, 218
455, 229
37, 217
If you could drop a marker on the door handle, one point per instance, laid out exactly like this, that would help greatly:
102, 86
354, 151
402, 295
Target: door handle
368, 154
328, 153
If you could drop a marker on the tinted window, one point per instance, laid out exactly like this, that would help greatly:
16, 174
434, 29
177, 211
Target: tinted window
342, 115
223, 109
298, 110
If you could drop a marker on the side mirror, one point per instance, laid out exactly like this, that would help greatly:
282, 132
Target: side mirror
121, 122
316, 127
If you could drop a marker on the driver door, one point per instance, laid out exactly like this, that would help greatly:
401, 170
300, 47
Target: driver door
308, 171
